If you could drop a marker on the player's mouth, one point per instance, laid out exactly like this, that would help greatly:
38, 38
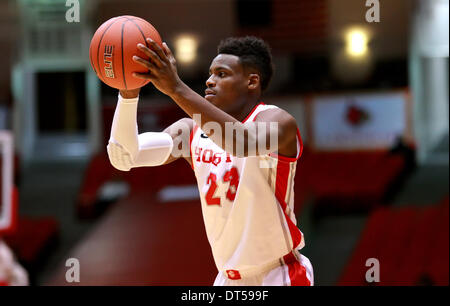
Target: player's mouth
209, 93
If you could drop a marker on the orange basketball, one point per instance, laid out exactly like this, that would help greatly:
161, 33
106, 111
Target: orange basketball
112, 49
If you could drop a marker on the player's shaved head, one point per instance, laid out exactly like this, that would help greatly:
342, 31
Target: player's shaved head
253, 53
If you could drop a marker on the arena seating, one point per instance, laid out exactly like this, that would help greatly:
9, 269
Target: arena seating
410, 243
347, 181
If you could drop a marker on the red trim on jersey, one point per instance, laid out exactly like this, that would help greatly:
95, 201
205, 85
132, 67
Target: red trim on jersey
297, 272
281, 184
301, 143
290, 159
275, 155
253, 110
194, 129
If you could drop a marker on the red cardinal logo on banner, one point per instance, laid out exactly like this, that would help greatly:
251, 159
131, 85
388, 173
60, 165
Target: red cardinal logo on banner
356, 115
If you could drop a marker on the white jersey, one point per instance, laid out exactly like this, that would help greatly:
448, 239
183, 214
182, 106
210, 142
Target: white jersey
248, 210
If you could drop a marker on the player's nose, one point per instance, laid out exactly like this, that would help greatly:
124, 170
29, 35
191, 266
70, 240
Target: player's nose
210, 81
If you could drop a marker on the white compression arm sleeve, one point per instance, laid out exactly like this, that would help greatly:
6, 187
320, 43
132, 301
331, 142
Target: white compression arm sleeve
126, 149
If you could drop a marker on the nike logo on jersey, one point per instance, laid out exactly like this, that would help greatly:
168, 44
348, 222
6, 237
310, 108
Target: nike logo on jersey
203, 135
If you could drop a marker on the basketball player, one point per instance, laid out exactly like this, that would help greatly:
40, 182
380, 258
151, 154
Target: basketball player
247, 207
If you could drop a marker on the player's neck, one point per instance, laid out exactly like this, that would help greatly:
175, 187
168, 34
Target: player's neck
242, 112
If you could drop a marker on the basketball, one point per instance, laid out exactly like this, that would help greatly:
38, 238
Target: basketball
113, 46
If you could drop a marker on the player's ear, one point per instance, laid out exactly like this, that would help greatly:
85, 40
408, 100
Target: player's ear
253, 80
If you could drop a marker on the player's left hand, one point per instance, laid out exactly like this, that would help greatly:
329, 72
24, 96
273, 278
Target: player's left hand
161, 65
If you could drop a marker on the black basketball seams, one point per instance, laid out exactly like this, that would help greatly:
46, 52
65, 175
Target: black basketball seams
143, 36
121, 47
101, 73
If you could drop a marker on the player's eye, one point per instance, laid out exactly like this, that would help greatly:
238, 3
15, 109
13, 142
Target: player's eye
222, 74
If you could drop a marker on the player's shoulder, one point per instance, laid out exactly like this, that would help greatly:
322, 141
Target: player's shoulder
274, 113
185, 122
181, 127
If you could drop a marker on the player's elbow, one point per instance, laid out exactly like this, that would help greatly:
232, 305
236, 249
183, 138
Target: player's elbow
118, 157
117, 165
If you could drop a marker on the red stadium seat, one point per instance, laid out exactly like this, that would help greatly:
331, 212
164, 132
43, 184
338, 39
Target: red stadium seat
437, 265
347, 181
32, 237
411, 244
393, 252
412, 271
369, 246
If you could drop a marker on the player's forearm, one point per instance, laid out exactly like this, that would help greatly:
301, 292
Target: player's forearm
204, 113
126, 149
124, 129
192, 103
231, 135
